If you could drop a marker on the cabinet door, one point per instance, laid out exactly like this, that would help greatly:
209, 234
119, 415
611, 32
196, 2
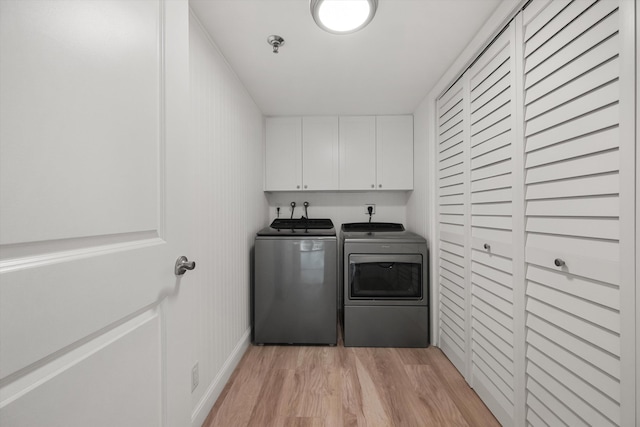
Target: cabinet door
492, 162
320, 153
452, 177
358, 153
394, 148
573, 212
283, 154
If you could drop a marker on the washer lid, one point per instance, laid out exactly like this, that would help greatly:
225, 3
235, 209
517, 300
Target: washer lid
372, 226
300, 227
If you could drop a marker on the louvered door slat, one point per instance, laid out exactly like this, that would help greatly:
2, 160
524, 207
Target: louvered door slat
451, 117
578, 366
494, 182
452, 177
580, 287
590, 59
493, 287
491, 157
539, 13
575, 108
589, 403
572, 213
539, 415
491, 257
541, 46
496, 115
562, 416
592, 37
598, 76
599, 120
595, 356
500, 209
575, 187
601, 206
599, 163
592, 143
494, 366
499, 100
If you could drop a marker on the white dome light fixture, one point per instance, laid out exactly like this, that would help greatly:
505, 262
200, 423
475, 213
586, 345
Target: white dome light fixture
343, 16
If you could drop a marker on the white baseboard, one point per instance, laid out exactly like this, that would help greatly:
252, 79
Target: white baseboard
201, 411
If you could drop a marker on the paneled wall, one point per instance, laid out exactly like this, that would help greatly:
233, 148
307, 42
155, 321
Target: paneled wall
228, 209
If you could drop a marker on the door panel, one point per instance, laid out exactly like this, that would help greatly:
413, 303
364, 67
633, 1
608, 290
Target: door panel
320, 153
283, 150
56, 132
91, 101
56, 398
357, 152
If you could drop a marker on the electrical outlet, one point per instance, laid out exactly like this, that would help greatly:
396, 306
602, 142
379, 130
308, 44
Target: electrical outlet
195, 376
366, 209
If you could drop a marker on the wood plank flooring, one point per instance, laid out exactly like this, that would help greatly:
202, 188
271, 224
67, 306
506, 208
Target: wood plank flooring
336, 386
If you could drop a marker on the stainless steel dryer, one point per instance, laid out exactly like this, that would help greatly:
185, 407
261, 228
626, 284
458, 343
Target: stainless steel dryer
385, 286
296, 283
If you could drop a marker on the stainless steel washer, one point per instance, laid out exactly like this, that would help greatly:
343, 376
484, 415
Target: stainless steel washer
296, 283
385, 286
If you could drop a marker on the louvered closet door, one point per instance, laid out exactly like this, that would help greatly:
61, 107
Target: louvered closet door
451, 205
492, 120
572, 213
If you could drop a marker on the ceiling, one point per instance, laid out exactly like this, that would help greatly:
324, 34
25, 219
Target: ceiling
386, 68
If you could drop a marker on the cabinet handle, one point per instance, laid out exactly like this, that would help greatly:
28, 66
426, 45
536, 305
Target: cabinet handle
487, 246
305, 186
559, 262
298, 187
379, 185
373, 186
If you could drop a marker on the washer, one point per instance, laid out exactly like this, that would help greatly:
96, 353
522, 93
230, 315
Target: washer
385, 286
296, 283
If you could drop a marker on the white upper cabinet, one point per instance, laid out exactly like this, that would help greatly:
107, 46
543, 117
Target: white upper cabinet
339, 153
394, 148
283, 154
358, 153
320, 156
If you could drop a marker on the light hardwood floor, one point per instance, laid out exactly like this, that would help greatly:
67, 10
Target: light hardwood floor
337, 386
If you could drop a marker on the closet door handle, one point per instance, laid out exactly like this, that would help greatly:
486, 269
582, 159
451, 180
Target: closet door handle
559, 262
487, 246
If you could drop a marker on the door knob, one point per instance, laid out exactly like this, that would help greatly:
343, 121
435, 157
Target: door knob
183, 264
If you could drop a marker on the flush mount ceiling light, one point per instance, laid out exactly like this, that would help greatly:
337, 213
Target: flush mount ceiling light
343, 16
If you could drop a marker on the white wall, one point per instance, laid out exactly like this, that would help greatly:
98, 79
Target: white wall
418, 204
230, 207
342, 207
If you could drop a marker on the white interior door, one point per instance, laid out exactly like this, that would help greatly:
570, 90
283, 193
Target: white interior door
574, 208
92, 323
492, 172
453, 225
